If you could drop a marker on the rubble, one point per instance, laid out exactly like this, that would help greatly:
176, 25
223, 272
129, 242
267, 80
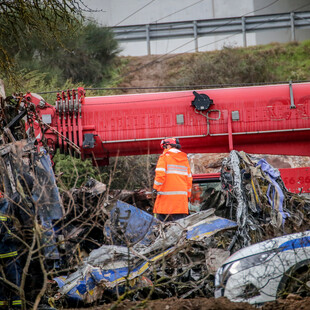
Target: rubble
259, 201
159, 244
136, 239
97, 246
212, 163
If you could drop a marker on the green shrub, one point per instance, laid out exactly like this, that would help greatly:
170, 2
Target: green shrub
73, 172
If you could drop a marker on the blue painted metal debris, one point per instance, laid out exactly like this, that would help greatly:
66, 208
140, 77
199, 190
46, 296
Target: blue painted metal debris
149, 241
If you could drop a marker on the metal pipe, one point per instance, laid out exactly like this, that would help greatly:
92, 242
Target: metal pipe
259, 132
195, 35
244, 31
230, 138
292, 96
148, 42
74, 116
212, 135
150, 139
292, 27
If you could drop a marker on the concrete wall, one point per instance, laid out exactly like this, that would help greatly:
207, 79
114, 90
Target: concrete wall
281, 6
131, 12
123, 12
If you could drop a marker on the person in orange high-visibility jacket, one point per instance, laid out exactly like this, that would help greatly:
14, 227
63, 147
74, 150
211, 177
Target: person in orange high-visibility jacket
173, 182
196, 195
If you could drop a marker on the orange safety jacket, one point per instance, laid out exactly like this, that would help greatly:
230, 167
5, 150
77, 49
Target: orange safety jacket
173, 182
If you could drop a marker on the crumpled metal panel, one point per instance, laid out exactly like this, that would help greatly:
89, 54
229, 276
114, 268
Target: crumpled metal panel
209, 227
107, 267
46, 193
129, 225
212, 163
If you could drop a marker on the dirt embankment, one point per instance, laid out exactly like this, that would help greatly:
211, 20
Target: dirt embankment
145, 71
293, 302
154, 71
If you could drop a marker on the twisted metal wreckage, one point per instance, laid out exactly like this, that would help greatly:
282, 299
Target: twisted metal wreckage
254, 206
138, 254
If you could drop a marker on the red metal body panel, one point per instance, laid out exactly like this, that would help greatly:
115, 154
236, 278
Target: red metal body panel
206, 176
296, 180
259, 119
270, 119
134, 124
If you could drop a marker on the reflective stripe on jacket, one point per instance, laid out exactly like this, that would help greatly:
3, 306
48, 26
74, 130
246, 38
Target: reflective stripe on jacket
8, 244
173, 182
10, 254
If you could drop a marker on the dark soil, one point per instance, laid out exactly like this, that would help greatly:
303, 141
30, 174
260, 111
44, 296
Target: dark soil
207, 304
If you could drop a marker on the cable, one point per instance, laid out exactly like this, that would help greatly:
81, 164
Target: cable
190, 87
172, 56
192, 40
301, 7
239, 32
135, 12
155, 21
265, 7
178, 11
162, 56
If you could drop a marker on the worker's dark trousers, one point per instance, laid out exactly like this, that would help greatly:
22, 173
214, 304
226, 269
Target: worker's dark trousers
11, 269
170, 217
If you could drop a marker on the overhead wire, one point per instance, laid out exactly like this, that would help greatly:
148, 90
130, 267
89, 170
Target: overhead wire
184, 87
192, 40
180, 10
135, 12
156, 21
254, 27
172, 56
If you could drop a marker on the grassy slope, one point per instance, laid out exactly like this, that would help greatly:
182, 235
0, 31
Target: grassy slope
266, 63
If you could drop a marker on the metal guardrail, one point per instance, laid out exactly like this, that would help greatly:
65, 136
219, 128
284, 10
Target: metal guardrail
199, 28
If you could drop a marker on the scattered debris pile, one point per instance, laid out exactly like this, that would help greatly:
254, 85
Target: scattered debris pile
171, 259
83, 221
97, 249
180, 258
258, 201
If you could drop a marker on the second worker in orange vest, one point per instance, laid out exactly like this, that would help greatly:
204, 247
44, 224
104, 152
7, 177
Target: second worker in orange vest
173, 182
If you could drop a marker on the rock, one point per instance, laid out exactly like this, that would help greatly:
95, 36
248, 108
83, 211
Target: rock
293, 297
